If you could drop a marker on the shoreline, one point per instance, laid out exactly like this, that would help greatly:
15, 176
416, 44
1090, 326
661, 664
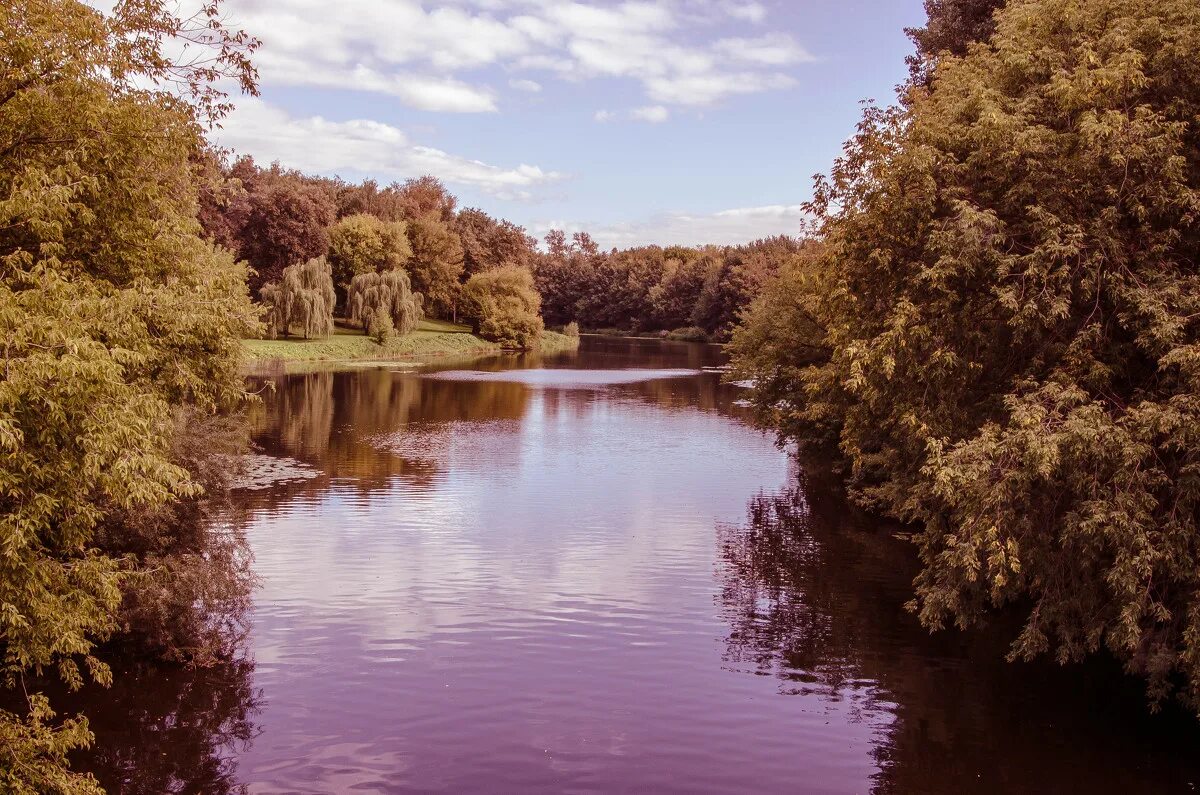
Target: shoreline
432, 339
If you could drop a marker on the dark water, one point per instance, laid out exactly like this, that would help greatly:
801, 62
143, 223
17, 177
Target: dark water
565, 575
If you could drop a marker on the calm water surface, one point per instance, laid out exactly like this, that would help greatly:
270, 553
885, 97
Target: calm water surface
589, 573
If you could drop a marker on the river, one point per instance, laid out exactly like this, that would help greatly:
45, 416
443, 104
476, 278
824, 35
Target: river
585, 573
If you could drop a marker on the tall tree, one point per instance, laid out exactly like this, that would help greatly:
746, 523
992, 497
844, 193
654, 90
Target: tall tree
436, 264
112, 311
1004, 326
362, 243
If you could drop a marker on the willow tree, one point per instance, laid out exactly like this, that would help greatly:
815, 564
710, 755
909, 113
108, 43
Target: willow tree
375, 296
112, 312
1001, 330
362, 243
303, 299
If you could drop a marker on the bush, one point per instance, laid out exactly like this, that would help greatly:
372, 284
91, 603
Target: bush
503, 307
688, 334
571, 329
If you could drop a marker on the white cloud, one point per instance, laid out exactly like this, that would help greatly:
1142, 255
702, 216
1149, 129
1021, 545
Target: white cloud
604, 116
651, 113
728, 227
322, 146
532, 86
431, 58
748, 12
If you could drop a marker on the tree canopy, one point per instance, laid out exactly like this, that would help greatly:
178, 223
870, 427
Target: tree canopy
504, 307
1000, 330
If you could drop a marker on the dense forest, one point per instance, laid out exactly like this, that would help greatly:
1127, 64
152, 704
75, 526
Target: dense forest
998, 326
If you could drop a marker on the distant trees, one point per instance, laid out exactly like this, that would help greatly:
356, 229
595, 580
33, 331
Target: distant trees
1001, 331
488, 243
383, 301
362, 244
504, 306
302, 301
651, 288
270, 217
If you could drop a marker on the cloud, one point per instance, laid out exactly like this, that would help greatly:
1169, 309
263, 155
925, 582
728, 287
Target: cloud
748, 12
318, 145
728, 227
654, 114
432, 58
603, 116
531, 86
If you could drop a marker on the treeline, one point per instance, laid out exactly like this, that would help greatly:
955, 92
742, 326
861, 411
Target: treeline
998, 326
275, 218
696, 292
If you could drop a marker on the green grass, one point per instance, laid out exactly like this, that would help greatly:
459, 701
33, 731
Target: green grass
432, 338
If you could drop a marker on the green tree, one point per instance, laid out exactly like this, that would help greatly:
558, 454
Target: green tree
504, 307
1003, 330
362, 243
436, 264
303, 299
112, 311
375, 296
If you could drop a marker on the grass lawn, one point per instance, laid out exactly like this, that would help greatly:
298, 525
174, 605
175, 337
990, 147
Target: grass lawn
431, 338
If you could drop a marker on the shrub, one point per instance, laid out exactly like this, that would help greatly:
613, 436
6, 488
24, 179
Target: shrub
503, 306
571, 329
688, 334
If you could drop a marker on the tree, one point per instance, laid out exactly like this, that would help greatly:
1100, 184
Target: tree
504, 307
112, 311
488, 243
360, 244
1003, 319
436, 264
303, 299
385, 295
426, 197
287, 221
953, 25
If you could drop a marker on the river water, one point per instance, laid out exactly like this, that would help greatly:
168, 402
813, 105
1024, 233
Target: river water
589, 573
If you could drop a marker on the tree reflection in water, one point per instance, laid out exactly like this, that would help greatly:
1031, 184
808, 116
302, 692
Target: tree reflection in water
169, 729
814, 593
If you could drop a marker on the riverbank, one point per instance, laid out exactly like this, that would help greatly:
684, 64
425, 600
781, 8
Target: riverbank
432, 338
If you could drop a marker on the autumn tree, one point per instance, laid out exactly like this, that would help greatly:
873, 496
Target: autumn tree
115, 315
504, 307
426, 197
952, 25
302, 301
1001, 331
488, 243
386, 294
436, 264
361, 244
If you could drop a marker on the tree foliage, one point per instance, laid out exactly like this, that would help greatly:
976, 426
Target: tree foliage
504, 307
361, 244
952, 26
112, 311
1000, 330
437, 262
376, 296
302, 301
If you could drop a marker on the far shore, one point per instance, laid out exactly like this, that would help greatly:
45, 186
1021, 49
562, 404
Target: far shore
432, 338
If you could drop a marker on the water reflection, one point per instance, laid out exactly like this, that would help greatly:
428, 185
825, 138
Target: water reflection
165, 729
508, 586
813, 592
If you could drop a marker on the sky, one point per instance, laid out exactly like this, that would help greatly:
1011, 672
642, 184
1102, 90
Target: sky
649, 121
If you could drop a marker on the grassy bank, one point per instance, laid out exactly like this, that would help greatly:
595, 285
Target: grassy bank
432, 338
